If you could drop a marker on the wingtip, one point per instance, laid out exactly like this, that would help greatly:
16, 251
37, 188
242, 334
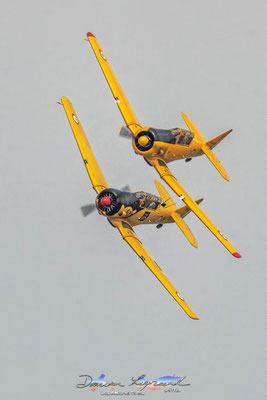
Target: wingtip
237, 255
65, 100
223, 173
90, 34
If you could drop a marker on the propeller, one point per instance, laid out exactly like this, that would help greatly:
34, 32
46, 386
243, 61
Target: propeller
126, 188
88, 209
125, 132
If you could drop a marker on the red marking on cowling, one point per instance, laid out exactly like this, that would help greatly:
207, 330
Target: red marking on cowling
105, 201
90, 34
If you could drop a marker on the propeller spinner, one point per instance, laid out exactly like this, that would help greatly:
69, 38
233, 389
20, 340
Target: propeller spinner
105, 201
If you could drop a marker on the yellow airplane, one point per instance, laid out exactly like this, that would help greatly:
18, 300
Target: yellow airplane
159, 146
124, 209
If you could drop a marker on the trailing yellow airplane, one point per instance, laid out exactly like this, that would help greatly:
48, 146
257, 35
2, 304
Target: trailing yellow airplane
124, 209
159, 146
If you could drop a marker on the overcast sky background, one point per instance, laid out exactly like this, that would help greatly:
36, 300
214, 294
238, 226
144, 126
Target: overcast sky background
74, 297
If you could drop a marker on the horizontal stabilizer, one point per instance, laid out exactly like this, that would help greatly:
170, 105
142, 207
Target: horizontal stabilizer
88, 209
207, 146
213, 142
215, 161
192, 127
125, 132
164, 194
184, 227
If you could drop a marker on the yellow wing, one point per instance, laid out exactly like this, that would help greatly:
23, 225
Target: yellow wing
120, 98
130, 237
97, 178
167, 176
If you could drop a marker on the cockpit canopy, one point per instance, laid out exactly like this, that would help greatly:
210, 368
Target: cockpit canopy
147, 200
173, 136
182, 136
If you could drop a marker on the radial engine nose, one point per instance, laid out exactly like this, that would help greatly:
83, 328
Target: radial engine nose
144, 140
105, 201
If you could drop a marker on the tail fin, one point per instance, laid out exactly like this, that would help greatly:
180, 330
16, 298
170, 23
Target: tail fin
177, 214
207, 146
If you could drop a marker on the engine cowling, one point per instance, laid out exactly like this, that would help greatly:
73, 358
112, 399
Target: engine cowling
144, 141
107, 202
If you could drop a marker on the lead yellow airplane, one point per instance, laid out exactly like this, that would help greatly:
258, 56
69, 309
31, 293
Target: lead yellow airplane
124, 209
159, 146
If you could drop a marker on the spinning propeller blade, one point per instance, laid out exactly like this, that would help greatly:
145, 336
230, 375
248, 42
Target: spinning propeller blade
125, 132
126, 188
87, 209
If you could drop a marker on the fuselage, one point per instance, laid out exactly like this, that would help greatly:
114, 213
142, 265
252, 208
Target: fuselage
135, 208
167, 145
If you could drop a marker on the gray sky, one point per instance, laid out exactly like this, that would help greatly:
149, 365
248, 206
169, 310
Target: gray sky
74, 298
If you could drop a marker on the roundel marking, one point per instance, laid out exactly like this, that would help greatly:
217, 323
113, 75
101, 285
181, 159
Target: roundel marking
75, 119
222, 235
102, 55
180, 297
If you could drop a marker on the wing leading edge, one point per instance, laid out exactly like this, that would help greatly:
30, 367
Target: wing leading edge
119, 96
130, 237
95, 174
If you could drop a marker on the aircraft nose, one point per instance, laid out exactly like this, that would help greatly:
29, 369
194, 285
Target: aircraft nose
143, 140
105, 201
